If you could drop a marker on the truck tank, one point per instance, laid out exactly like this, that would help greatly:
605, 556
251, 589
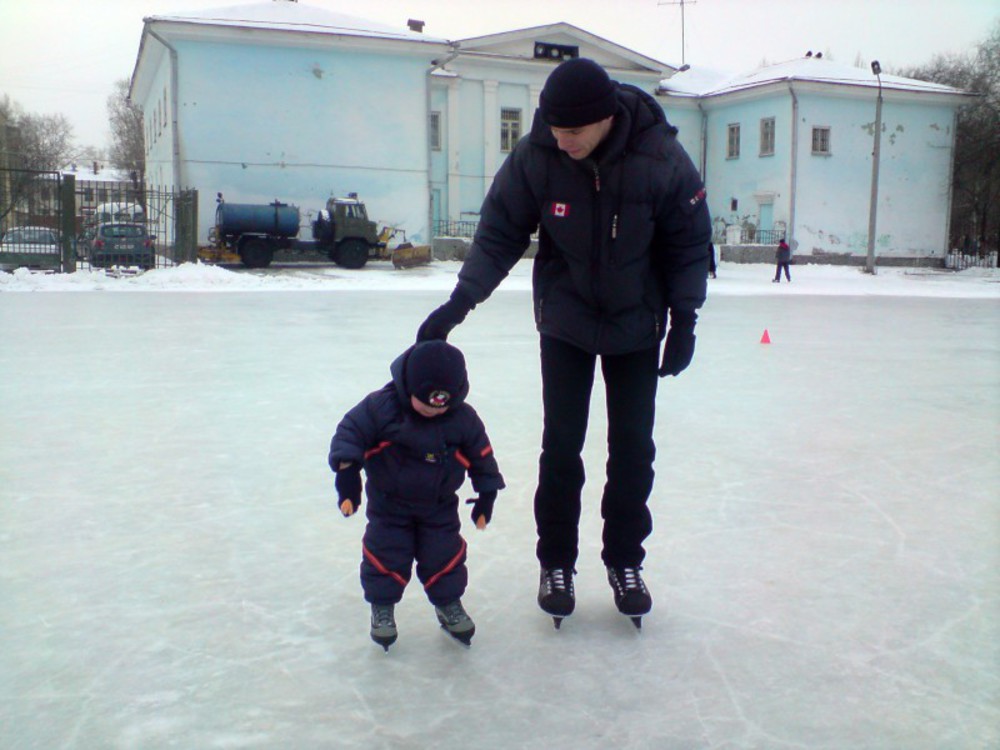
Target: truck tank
275, 219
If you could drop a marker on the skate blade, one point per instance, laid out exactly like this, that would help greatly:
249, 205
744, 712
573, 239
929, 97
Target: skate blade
464, 638
384, 642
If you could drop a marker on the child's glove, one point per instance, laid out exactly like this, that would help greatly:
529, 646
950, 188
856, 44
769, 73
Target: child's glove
348, 486
482, 508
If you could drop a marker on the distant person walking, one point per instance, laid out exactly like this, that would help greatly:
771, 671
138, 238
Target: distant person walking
783, 258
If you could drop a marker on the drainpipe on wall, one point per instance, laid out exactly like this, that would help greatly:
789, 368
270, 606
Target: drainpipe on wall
174, 135
792, 197
951, 186
703, 156
435, 65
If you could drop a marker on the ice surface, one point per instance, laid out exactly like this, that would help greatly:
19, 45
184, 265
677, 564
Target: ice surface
174, 571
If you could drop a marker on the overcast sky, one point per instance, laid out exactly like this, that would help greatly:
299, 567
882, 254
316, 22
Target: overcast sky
65, 55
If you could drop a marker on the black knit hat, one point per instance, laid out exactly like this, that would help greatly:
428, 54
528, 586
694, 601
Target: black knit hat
578, 92
435, 373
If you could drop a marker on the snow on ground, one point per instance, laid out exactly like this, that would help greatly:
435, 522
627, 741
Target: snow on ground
742, 279
174, 572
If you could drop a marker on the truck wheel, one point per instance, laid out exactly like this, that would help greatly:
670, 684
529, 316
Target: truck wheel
256, 253
352, 254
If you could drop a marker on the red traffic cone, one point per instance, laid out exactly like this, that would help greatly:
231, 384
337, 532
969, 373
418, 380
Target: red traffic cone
766, 338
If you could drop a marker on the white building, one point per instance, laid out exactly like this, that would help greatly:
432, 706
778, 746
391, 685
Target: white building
283, 101
789, 148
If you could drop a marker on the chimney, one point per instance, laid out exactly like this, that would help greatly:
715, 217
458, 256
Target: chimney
415, 25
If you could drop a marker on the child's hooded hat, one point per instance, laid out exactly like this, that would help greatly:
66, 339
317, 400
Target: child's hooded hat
435, 373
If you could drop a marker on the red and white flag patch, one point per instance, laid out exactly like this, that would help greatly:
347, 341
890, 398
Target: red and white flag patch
560, 209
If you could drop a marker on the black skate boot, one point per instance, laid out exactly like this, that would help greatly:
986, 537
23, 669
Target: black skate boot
383, 625
631, 595
456, 621
555, 593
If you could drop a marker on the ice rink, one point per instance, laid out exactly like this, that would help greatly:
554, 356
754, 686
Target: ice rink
174, 573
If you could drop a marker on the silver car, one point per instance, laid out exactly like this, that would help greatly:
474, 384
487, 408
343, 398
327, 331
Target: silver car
36, 248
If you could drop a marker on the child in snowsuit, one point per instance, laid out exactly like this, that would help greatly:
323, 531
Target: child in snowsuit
416, 438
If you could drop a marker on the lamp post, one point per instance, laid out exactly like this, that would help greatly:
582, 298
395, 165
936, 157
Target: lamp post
873, 205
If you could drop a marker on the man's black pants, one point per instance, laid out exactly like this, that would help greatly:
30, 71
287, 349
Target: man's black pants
567, 381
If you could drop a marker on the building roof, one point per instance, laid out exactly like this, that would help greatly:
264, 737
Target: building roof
291, 15
811, 69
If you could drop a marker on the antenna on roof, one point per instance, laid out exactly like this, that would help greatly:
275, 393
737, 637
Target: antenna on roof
681, 3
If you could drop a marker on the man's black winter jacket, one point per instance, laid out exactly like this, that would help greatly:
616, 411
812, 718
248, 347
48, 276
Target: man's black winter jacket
623, 235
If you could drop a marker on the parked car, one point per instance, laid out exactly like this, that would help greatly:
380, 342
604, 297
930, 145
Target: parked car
121, 244
36, 248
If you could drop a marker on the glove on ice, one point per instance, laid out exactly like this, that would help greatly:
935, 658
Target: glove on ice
679, 348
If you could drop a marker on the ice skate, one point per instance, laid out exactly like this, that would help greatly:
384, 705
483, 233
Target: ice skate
555, 593
383, 630
456, 621
631, 595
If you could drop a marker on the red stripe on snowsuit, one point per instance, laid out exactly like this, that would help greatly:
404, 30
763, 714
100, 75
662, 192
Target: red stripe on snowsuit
452, 564
462, 459
381, 568
486, 451
378, 448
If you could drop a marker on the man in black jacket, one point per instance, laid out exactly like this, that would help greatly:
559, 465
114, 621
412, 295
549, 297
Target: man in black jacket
623, 239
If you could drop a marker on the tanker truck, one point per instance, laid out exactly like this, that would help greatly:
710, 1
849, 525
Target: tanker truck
252, 233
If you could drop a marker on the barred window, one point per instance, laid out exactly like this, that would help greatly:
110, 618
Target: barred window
435, 131
733, 142
767, 136
821, 140
510, 128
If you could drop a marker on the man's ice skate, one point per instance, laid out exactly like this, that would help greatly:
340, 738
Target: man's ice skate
456, 621
555, 593
383, 625
631, 595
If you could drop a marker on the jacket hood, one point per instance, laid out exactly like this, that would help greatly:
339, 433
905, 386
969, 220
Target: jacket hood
403, 389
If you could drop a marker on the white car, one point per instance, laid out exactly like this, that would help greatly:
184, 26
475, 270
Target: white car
30, 247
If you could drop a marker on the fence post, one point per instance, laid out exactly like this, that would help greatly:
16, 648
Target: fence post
67, 221
186, 229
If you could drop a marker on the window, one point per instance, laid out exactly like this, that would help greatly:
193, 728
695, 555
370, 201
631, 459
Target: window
767, 136
733, 142
821, 140
510, 128
435, 131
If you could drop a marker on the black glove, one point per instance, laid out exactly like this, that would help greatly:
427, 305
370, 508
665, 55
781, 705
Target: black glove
348, 484
440, 322
482, 507
679, 349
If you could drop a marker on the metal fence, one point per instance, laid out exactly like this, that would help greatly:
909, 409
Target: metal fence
98, 224
960, 261
444, 228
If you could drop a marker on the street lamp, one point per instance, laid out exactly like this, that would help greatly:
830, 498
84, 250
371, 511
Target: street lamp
873, 206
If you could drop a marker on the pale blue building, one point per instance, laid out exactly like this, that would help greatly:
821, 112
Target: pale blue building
280, 100
787, 150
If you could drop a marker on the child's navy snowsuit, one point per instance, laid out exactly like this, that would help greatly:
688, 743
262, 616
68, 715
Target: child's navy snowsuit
414, 468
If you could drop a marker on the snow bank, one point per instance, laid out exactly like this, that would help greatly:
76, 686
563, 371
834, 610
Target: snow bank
733, 279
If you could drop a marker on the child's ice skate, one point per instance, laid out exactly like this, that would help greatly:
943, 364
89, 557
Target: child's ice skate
383, 630
456, 621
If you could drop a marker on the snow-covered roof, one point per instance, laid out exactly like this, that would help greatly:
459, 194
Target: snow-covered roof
811, 69
288, 15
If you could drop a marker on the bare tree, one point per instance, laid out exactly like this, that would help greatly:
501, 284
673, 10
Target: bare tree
32, 144
975, 215
128, 147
